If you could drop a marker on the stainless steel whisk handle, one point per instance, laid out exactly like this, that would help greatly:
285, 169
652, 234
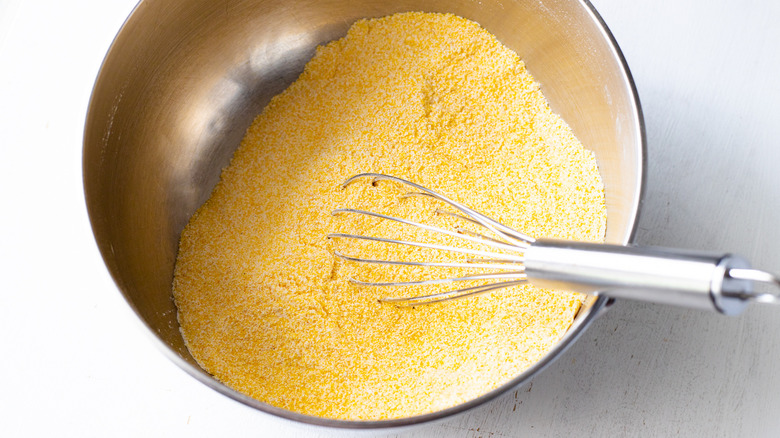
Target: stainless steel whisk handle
719, 282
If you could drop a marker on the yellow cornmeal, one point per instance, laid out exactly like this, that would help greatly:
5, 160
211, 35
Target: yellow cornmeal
263, 304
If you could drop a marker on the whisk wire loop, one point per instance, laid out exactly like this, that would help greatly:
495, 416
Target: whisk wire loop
507, 266
496, 227
475, 237
450, 295
496, 265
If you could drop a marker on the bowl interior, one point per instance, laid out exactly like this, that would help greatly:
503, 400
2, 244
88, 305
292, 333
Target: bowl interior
185, 78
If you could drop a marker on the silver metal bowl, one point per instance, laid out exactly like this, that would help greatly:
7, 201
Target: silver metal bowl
184, 79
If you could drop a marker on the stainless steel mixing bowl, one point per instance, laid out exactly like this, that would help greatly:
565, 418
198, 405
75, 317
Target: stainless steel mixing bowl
184, 79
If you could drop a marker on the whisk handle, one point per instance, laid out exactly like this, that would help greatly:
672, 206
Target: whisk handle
659, 275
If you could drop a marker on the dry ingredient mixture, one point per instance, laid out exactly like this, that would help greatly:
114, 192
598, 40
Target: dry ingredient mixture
433, 98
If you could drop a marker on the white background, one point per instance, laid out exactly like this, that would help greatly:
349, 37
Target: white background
74, 360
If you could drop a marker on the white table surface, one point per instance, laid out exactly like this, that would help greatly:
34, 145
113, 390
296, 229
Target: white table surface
75, 362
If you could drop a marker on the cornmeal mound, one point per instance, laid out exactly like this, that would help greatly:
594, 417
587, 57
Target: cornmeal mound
432, 98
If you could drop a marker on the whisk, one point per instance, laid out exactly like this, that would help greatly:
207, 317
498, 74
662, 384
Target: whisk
720, 282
